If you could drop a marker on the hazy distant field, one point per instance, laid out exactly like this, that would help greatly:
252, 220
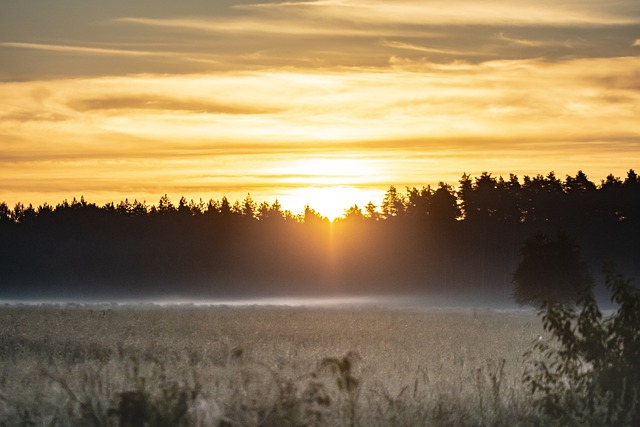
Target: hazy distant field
263, 366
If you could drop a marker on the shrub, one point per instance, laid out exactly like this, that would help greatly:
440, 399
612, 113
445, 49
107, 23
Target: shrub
589, 372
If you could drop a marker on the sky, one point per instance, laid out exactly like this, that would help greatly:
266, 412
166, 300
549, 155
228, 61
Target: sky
320, 102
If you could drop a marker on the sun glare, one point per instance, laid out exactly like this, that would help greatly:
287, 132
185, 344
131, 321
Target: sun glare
330, 185
330, 201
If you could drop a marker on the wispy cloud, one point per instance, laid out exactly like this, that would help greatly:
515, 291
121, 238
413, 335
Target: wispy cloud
150, 102
253, 25
87, 50
461, 12
425, 49
78, 49
541, 44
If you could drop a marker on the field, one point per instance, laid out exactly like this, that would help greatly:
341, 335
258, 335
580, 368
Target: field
263, 366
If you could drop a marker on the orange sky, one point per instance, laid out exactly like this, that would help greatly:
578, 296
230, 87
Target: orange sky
321, 102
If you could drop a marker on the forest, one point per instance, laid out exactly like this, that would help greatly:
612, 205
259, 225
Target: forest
459, 240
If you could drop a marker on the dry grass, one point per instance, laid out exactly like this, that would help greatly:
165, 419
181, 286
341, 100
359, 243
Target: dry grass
264, 365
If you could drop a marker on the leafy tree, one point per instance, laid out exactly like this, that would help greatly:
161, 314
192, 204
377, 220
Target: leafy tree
550, 270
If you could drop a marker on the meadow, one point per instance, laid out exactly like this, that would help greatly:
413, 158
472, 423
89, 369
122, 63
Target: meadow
117, 365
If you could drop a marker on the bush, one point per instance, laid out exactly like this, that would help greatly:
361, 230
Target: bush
589, 369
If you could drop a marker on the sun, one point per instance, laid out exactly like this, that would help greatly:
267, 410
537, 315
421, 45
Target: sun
332, 201
330, 185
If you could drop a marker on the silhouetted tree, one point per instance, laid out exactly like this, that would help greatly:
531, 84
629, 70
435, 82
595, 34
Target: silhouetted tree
393, 203
5, 213
165, 205
21, 213
465, 189
183, 207
225, 207
371, 212
443, 205
354, 213
313, 217
418, 202
551, 269
581, 200
272, 212
248, 208
196, 208
631, 197
542, 199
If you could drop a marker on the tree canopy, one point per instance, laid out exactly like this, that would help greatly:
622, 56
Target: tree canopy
463, 239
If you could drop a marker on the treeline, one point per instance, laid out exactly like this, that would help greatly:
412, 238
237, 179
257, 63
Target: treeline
457, 240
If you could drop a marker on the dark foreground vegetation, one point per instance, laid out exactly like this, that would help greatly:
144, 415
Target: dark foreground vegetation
588, 372
441, 240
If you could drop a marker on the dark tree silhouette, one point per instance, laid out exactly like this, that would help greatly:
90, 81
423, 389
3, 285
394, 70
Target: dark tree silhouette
550, 270
435, 239
443, 206
393, 203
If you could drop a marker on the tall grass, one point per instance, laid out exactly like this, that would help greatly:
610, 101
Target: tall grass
115, 365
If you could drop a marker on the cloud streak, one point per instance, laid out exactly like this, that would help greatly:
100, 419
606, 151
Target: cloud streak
149, 102
84, 50
253, 26
460, 12
424, 49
